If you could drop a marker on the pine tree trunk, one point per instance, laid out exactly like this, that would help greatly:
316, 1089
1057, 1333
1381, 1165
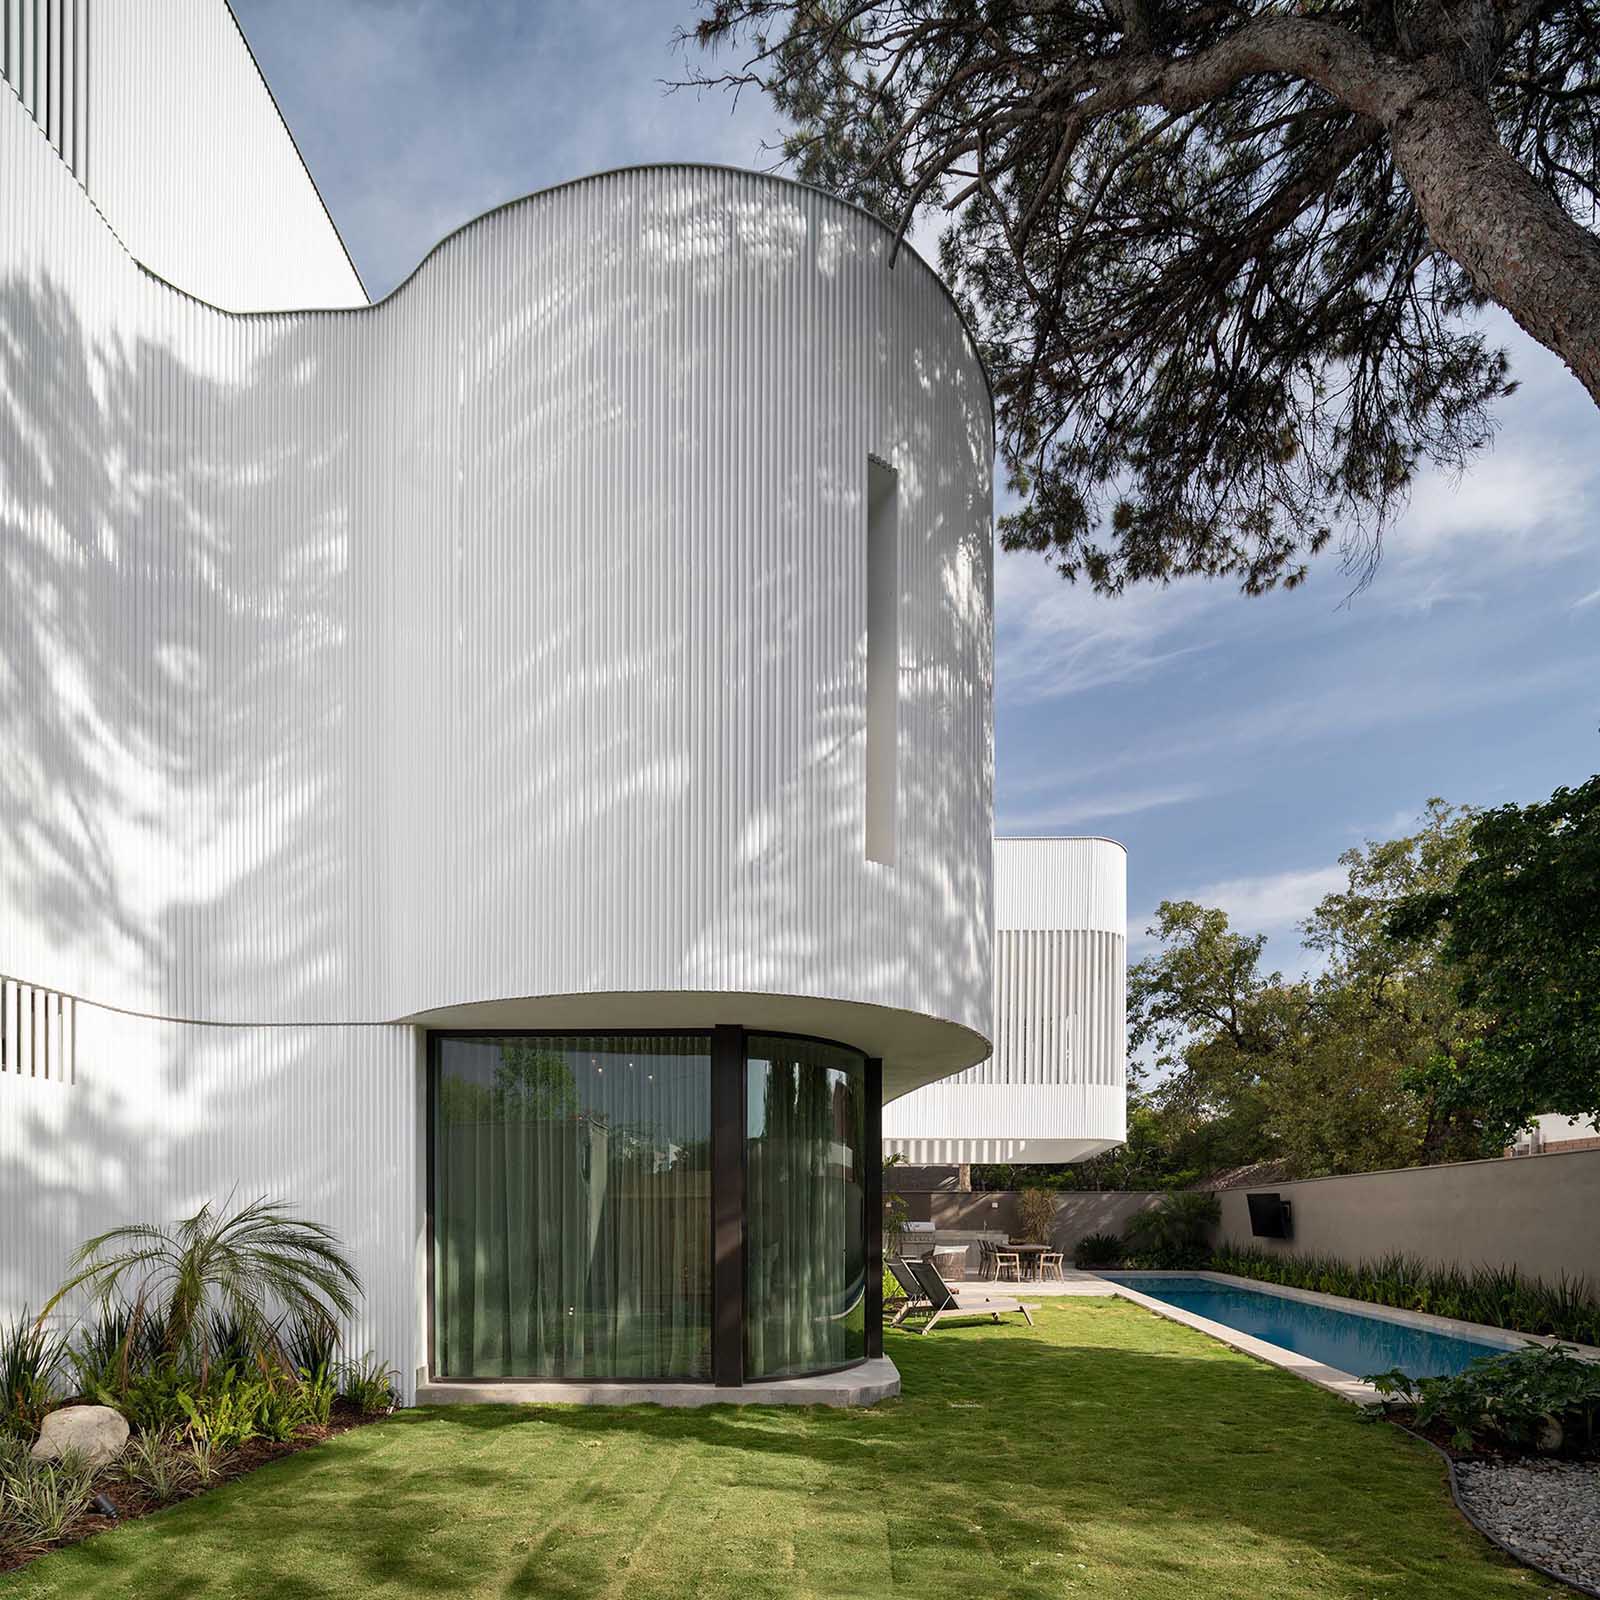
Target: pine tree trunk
1516, 244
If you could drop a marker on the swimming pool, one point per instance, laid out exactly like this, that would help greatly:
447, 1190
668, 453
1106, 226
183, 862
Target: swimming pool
1346, 1340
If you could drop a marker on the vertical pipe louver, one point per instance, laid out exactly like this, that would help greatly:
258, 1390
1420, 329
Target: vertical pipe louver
44, 56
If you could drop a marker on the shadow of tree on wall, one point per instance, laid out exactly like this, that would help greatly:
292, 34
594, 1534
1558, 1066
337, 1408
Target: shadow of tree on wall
293, 712
173, 680
173, 705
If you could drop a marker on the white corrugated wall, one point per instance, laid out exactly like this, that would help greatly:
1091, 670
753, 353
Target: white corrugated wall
506, 639
1055, 1088
160, 1117
159, 110
44, 56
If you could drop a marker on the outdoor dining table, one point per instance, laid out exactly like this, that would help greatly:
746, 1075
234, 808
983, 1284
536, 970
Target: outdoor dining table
1028, 1257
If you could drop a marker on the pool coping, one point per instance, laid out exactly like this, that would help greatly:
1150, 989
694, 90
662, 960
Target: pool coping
1344, 1384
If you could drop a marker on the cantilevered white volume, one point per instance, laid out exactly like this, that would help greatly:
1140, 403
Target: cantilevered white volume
1055, 1088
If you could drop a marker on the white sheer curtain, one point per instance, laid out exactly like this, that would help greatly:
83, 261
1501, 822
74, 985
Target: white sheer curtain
572, 1207
805, 1220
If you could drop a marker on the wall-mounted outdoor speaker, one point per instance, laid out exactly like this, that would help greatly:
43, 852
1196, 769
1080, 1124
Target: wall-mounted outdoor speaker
1270, 1216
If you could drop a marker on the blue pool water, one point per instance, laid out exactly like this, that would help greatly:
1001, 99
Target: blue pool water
1347, 1340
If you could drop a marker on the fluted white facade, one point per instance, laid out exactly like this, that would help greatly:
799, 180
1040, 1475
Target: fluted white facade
493, 656
1055, 1088
160, 112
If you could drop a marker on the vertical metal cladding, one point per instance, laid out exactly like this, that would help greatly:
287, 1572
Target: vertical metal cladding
163, 1117
506, 638
1055, 1087
159, 110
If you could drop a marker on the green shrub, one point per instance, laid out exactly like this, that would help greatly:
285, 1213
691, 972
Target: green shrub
1170, 1258
229, 1340
1097, 1250
371, 1385
1036, 1215
223, 1417
1540, 1397
152, 1399
237, 1404
1498, 1297
160, 1464
310, 1346
1172, 1237
203, 1464
210, 1282
41, 1500
113, 1344
30, 1361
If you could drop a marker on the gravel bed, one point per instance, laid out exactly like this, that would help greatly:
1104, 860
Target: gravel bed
1548, 1511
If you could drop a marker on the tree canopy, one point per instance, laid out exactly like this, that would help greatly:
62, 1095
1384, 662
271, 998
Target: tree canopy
1223, 260
1235, 1066
1520, 931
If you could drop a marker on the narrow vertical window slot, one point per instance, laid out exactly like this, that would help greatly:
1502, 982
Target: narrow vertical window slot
883, 660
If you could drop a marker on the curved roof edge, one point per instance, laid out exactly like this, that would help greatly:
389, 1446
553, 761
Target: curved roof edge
294, 144
1059, 838
777, 178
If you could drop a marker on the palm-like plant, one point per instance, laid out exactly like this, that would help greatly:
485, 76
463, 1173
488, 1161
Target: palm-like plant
249, 1270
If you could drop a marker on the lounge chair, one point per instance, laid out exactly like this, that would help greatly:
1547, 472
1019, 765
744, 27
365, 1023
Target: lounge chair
915, 1300
943, 1302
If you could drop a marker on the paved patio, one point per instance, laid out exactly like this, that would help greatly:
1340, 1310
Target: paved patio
1072, 1282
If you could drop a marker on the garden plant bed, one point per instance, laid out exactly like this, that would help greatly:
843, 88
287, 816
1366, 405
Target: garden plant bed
133, 1501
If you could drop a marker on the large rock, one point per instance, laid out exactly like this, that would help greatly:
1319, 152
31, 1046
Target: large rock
96, 1433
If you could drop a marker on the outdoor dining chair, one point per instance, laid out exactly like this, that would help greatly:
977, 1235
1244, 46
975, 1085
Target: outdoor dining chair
1007, 1263
1050, 1264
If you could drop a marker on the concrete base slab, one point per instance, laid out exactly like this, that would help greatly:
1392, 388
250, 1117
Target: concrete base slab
864, 1385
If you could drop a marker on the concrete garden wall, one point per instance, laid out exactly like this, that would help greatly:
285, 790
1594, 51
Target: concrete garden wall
1540, 1214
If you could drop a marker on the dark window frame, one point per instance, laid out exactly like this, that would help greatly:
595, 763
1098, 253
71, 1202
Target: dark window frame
730, 1056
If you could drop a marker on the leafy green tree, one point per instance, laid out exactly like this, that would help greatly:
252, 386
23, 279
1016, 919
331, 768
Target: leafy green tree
531, 1083
1317, 1073
1223, 261
1520, 931
1210, 1022
1388, 1002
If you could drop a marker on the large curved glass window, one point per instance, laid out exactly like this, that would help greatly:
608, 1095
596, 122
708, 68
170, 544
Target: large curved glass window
572, 1207
805, 1215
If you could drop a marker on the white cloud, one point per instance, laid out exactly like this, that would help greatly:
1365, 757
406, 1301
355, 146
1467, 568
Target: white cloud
1592, 598
1274, 901
1057, 638
1517, 504
1071, 811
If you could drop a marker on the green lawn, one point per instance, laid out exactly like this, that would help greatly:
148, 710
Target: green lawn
1107, 1452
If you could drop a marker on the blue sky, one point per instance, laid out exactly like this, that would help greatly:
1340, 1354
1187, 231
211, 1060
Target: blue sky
1236, 746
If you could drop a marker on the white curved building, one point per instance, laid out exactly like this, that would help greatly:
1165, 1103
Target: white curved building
1055, 1088
578, 662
